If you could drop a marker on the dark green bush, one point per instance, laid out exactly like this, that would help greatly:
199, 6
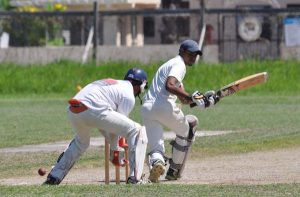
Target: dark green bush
32, 31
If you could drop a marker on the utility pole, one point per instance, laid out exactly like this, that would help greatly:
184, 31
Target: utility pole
202, 29
95, 38
202, 14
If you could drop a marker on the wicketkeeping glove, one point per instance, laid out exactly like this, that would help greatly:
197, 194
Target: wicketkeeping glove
117, 157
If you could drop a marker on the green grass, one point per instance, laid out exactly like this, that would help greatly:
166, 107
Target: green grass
33, 101
33, 121
61, 78
273, 190
37, 120
259, 123
283, 76
26, 164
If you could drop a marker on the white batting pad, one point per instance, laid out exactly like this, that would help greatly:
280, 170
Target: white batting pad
140, 152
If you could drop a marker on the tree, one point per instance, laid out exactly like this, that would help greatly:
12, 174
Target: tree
4, 5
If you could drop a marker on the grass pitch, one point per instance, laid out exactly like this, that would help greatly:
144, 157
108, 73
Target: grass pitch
33, 107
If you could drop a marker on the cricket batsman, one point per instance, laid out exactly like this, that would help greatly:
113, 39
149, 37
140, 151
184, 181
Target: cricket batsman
105, 104
160, 110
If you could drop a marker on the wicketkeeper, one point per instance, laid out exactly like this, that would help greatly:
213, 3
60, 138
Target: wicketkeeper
160, 110
105, 105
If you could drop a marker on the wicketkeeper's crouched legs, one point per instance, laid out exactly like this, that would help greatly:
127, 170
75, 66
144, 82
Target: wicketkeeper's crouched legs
66, 160
75, 149
180, 149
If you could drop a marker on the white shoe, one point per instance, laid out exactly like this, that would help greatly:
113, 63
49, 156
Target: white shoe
157, 170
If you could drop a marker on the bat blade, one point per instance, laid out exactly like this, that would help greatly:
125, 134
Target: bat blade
243, 84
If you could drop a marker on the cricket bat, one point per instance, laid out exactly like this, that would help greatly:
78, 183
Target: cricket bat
241, 84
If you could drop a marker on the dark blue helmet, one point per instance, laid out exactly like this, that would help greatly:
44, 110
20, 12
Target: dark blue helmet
136, 74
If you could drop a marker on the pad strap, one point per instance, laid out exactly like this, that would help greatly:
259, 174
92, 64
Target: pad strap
181, 137
174, 165
178, 146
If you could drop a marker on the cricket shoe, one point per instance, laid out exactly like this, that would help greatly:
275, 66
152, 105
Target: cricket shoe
51, 180
172, 174
158, 169
132, 180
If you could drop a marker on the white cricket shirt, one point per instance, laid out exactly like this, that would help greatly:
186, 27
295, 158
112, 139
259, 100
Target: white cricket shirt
108, 93
174, 67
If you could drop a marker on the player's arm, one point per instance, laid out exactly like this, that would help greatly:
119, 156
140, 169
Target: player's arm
117, 153
171, 87
196, 99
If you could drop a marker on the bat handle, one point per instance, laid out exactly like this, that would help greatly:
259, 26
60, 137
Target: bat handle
193, 105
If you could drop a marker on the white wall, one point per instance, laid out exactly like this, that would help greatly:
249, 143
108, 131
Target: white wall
145, 54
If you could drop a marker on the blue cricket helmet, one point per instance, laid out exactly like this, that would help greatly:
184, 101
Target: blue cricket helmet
191, 46
136, 74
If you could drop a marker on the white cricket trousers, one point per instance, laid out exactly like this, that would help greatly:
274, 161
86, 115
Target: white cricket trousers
82, 124
155, 116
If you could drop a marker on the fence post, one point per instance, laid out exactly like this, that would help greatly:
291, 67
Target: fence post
202, 13
95, 38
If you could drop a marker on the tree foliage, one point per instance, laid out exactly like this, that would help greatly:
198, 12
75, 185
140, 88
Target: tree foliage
4, 5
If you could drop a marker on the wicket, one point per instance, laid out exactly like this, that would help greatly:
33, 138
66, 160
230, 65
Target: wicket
123, 144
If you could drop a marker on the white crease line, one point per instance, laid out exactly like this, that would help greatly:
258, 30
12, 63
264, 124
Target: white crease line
96, 141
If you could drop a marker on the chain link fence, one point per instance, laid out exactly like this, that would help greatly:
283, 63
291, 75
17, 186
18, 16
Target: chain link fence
226, 29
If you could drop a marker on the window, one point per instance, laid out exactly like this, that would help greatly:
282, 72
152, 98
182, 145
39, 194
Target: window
149, 26
293, 6
172, 4
183, 24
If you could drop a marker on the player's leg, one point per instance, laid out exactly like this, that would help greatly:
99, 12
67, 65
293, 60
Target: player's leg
135, 135
180, 148
156, 148
75, 149
172, 117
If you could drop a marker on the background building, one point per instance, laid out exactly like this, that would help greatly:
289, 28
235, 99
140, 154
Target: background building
149, 30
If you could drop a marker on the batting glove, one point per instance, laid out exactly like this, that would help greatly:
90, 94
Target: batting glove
199, 99
211, 97
206, 100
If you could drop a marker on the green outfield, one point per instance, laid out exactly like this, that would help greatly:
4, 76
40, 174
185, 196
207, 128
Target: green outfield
154, 190
33, 103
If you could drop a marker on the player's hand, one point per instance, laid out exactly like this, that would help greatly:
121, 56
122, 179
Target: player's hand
117, 157
203, 101
211, 97
199, 99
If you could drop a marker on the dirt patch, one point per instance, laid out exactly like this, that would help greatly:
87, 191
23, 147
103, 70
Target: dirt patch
276, 166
